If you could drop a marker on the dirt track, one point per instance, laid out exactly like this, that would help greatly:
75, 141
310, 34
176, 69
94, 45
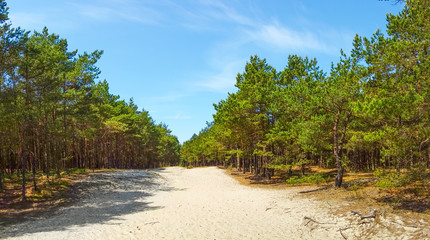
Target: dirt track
99, 198
202, 203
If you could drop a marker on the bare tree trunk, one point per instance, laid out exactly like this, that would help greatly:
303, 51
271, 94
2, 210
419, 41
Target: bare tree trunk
338, 143
23, 165
336, 152
238, 159
33, 160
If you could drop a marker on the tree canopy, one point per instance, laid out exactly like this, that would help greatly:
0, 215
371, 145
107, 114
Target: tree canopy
370, 110
55, 114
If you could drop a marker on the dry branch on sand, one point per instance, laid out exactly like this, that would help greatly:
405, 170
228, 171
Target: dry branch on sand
370, 215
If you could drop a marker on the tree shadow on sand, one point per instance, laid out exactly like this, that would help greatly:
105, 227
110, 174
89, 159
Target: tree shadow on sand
99, 198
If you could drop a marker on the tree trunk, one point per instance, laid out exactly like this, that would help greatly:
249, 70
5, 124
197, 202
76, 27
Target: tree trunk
336, 152
33, 160
266, 166
23, 166
338, 144
238, 161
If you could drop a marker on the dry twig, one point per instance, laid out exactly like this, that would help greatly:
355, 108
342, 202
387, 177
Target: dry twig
312, 220
371, 215
341, 233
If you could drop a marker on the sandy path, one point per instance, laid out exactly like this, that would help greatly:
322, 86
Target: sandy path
201, 203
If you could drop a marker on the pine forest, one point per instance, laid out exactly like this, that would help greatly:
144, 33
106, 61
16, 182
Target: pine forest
370, 112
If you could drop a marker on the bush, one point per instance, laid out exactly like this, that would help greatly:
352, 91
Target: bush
388, 179
74, 170
418, 172
313, 178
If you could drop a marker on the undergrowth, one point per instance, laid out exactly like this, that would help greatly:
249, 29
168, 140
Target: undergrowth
396, 179
311, 178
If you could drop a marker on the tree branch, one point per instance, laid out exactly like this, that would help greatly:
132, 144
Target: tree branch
327, 109
371, 215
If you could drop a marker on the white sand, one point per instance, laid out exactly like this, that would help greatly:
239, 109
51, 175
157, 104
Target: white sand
206, 203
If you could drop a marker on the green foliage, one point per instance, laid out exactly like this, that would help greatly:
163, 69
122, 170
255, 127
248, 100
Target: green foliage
281, 167
54, 116
312, 178
75, 170
370, 110
390, 179
419, 172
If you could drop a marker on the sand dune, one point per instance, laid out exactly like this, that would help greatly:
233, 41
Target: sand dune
201, 203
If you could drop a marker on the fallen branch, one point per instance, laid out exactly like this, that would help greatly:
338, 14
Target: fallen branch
311, 220
371, 215
341, 233
411, 226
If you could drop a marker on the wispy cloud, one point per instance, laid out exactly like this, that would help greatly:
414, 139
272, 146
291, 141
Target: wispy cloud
222, 79
221, 11
246, 31
114, 10
287, 38
283, 37
203, 15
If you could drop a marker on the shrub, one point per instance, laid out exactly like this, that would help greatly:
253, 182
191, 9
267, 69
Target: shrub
313, 178
388, 179
418, 172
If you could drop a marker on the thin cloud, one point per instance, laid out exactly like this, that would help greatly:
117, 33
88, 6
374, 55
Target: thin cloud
221, 11
127, 10
205, 15
285, 38
221, 82
247, 30
224, 80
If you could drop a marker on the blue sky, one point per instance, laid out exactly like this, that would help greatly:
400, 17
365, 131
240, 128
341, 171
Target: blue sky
177, 58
